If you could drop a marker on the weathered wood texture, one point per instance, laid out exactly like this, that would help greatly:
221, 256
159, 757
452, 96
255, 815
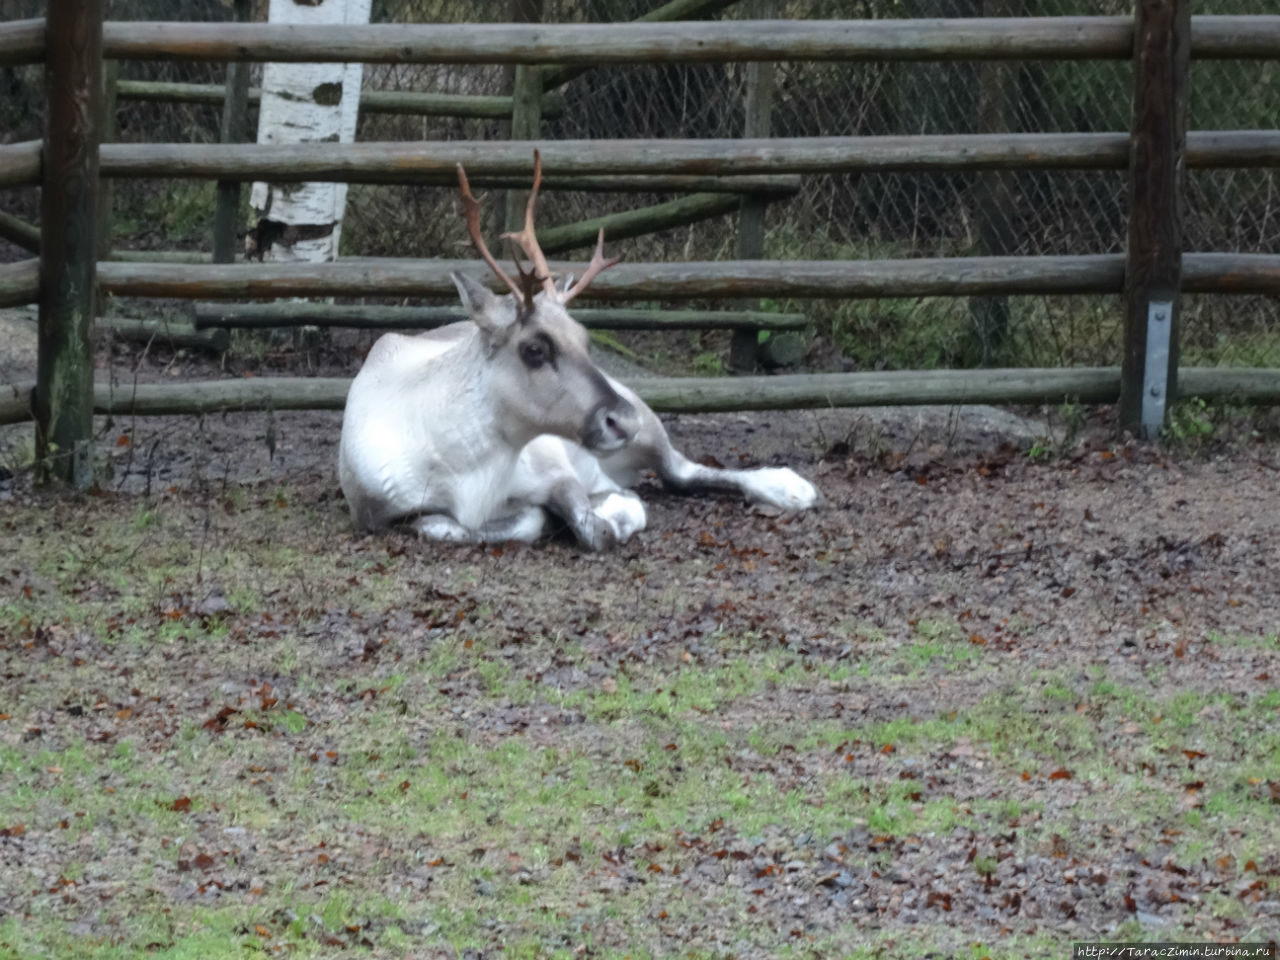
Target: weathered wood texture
376, 317
994, 207
107, 130
1153, 270
19, 283
434, 161
774, 185
558, 75
681, 394
757, 115
233, 129
161, 256
68, 209
22, 41
924, 277
637, 223
161, 333
361, 277
585, 45
1231, 273
1030, 38
525, 82
20, 164
403, 102
1235, 37
27, 235
16, 402
18, 231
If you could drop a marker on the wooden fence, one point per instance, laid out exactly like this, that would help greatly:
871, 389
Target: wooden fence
1161, 39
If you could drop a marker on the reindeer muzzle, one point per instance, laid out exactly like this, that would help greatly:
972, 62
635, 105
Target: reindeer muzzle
610, 426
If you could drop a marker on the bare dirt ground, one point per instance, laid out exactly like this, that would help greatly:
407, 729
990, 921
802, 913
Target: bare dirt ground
978, 705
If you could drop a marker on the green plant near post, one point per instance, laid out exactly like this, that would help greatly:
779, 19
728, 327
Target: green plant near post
1190, 423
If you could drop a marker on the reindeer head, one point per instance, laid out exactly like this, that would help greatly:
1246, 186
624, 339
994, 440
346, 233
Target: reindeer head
541, 371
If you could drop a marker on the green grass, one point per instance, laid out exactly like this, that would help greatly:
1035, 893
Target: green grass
403, 769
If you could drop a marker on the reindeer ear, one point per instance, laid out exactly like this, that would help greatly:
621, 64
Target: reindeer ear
493, 314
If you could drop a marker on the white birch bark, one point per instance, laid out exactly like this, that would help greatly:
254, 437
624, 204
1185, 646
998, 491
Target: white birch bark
308, 103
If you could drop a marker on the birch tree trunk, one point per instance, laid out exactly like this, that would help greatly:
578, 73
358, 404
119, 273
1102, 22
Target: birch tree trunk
306, 103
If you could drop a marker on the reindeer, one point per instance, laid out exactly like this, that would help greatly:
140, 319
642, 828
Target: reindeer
478, 431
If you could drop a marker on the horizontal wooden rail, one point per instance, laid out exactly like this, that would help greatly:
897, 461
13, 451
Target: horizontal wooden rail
375, 317
557, 75
1032, 38
992, 38
20, 163
437, 161
619, 43
959, 276
778, 184
161, 256
397, 277
639, 222
20, 233
21, 41
1257, 273
19, 283
692, 394
164, 333
404, 102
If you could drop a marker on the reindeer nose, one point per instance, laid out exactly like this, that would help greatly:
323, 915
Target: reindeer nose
611, 426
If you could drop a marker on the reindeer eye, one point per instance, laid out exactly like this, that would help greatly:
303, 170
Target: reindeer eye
535, 353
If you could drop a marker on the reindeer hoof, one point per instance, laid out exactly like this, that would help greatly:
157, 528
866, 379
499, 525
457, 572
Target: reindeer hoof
624, 514
783, 488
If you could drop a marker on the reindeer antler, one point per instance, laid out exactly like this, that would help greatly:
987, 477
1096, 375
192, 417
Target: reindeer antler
527, 241
472, 208
598, 263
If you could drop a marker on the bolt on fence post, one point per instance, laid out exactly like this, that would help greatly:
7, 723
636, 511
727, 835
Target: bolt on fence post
1157, 175
757, 122
68, 241
235, 129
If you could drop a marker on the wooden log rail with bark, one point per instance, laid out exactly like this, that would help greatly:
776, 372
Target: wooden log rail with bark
701, 395
402, 102
438, 161
260, 316
994, 38
1239, 273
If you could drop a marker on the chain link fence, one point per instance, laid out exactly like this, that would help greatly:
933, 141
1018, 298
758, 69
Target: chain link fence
832, 217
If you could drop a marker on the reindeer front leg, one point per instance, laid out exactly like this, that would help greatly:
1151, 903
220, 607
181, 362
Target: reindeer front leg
568, 481
526, 525
600, 522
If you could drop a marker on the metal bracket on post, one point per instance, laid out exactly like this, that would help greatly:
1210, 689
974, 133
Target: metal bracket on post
1155, 374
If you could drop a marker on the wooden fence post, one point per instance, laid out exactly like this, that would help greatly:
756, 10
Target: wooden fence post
526, 106
1153, 269
758, 114
68, 241
106, 132
235, 129
993, 191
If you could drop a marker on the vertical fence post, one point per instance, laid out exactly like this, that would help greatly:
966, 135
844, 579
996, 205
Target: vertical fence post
106, 133
526, 105
68, 241
758, 114
1153, 269
235, 129
993, 191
